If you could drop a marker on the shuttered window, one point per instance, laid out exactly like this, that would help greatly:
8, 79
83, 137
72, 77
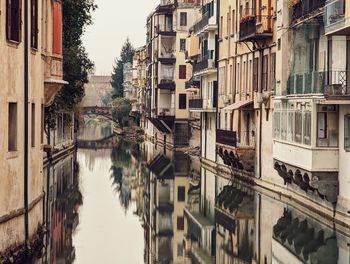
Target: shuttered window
265, 73
34, 24
256, 74
14, 20
57, 28
273, 72
183, 19
180, 223
182, 71
182, 101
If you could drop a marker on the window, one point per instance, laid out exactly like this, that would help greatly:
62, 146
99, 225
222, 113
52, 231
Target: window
182, 101
276, 125
231, 79
238, 81
327, 126
57, 28
180, 223
249, 73
181, 194
264, 73
307, 128
33, 125
322, 125
244, 76
221, 24
347, 132
222, 80
256, 74
273, 72
298, 123
14, 20
182, 44
12, 127
183, 19
233, 21
290, 129
42, 124
182, 71
34, 24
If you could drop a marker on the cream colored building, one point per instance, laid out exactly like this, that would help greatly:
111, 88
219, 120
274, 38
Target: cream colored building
31, 75
167, 103
97, 91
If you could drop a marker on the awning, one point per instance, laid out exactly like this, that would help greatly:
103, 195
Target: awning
238, 105
159, 125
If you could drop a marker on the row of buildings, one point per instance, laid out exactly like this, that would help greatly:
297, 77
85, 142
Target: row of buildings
31, 74
260, 86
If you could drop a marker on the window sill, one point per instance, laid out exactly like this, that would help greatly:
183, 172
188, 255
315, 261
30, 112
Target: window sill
13, 43
12, 155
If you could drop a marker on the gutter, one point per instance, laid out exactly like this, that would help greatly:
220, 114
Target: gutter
26, 125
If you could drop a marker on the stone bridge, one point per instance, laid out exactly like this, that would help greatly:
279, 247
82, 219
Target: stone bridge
100, 111
104, 143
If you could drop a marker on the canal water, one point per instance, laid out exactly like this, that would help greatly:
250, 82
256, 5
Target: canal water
116, 202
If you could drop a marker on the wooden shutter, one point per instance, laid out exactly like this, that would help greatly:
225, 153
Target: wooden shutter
34, 24
264, 73
57, 28
182, 71
255, 74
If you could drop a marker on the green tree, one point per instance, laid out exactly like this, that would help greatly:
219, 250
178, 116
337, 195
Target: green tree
126, 54
76, 63
121, 108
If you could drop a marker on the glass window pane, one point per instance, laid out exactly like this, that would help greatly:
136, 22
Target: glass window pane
347, 132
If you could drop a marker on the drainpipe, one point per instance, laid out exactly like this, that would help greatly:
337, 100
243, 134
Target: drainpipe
26, 141
260, 110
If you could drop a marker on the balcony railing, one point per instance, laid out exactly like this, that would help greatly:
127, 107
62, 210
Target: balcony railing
329, 83
163, 111
303, 8
203, 22
195, 103
203, 65
334, 12
255, 27
226, 137
166, 84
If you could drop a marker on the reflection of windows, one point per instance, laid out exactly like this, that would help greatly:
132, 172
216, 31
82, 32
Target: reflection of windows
12, 127
181, 194
180, 223
347, 132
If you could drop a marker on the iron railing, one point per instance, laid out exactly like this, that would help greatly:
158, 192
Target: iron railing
334, 12
226, 137
195, 103
255, 26
203, 64
304, 8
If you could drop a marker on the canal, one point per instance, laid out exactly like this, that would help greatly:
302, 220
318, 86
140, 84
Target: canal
115, 202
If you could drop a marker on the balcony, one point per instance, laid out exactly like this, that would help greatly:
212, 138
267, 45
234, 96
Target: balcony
303, 8
335, 18
53, 78
165, 30
333, 84
204, 65
255, 27
226, 137
166, 84
195, 103
204, 23
166, 113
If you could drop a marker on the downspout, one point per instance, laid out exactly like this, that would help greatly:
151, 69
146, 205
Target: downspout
260, 110
26, 87
217, 123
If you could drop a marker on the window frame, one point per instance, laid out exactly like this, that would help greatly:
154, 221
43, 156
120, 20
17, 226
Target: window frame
347, 131
34, 23
14, 34
182, 72
183, 19
12, 130
182, 101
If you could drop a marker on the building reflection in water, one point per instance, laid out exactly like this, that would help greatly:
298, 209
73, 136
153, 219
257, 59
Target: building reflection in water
61, 209
192, 215
189, 214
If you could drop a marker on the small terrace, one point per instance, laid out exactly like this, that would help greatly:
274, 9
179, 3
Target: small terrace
197, 103
302, 9
205, 64
205, 22
335, 18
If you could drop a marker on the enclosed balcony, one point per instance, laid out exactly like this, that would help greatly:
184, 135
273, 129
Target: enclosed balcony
306, 83
53, 78
167, 49
301, 9
255, 27
195, 103
335, 18
165, 25
338, 87
226, 137
167, 80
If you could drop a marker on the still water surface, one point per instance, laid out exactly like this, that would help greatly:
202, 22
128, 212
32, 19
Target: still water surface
113, 202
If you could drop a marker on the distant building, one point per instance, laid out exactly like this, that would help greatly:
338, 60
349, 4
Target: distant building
98, 88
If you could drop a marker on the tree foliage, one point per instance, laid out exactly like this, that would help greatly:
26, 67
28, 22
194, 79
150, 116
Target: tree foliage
126, 55
76, 63
121, 108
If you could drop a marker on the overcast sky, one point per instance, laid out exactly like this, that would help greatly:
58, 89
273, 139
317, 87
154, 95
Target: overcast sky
114, 21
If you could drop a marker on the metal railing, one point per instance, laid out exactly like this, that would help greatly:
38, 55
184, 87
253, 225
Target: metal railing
226, 137
164, 111
255, 25
195, 103
303, 8
327, 82
199, 25
204, 64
